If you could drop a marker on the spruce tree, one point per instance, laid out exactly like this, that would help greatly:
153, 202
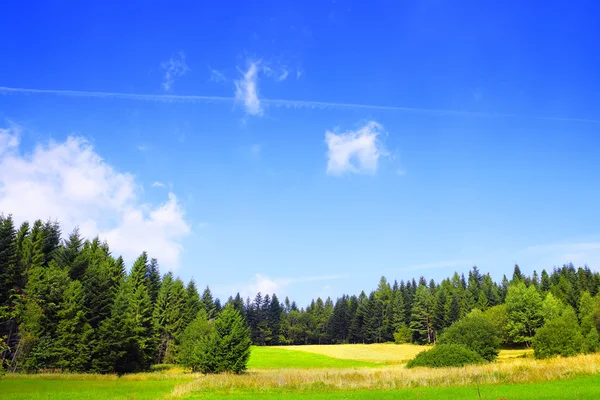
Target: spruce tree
228, 346
74, 334
9, 272
193, 304
421, 318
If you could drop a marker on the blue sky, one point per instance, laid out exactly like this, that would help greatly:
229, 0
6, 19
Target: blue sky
308, 148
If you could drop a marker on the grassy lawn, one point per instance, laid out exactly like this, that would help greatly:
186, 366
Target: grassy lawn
280, 357
46, 389
577, 388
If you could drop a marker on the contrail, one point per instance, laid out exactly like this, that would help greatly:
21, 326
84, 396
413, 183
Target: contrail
295, 104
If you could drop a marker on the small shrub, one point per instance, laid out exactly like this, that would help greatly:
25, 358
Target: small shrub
403, 334
560, 336
446, 355
476, 333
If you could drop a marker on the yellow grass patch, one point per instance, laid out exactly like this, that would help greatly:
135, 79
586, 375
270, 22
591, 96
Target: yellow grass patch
517, 370
378, 353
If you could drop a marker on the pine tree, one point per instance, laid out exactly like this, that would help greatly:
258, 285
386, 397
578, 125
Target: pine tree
9, 272
421, 318
153, 277
274, 318
74, 333
193, 304
70, 258
228, 346
208, 303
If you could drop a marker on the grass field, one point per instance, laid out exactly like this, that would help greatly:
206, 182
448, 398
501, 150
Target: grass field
278, 357
331, 372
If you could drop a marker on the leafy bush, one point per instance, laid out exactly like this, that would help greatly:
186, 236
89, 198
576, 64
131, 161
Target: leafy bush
498, 317
446, 355
476, 333
559, 336
403, 334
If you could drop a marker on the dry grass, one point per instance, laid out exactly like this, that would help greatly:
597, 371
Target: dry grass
384, 353
518, 370
378, 353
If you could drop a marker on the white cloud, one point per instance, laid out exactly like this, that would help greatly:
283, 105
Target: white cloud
9, 138
255, 150
175, 67
283, 75
354, 151
158, 184
441, 264
246, 90
217, 76
68, 181
268, 285
556, 254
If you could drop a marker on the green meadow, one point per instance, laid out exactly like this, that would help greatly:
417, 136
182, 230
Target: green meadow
289, 373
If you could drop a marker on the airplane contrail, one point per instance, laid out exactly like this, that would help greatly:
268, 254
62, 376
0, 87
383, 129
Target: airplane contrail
293, 104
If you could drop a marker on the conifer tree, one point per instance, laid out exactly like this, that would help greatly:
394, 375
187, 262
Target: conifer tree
74, 333
228, 346
421, 318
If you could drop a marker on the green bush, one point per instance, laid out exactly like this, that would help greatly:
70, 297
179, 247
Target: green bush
446, 355
560, 336
403, 334
228, 346
476, 333
193, 341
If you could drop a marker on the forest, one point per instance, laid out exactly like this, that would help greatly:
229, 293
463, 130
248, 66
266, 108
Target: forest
71, 305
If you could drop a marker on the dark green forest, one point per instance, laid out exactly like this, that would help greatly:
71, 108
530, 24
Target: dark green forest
71, 305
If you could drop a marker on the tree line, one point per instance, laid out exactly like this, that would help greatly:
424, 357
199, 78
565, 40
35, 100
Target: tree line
72, 305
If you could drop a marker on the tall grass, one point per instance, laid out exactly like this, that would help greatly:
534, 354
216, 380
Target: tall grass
392, 377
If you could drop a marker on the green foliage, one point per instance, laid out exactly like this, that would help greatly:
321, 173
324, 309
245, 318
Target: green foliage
591, 341
498, 317
446, 355
403, 334
475, 332
552, 307
193, 341
74, 333
524, 307
422, 315
228, 345
559, 336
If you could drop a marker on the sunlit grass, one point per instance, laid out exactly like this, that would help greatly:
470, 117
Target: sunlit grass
384, 353
277, 357
517, 370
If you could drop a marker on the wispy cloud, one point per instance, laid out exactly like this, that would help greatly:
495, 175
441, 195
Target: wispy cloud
255, 150
354, 151
217, 76
578, 253
246, 90
440, 264
158, 184
269, 285
175, 67
284, 103
70, 182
